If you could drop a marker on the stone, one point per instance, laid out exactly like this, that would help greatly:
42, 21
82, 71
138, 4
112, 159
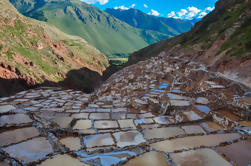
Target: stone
62, 160
15, 119
73, 143
239, 153
98, 140
30, 151
128, 138
106, 124
127, 123
194, 142
163, 133
6, 108
83, 124
63, 122
149, 159
193, 129
17, 135
203, 157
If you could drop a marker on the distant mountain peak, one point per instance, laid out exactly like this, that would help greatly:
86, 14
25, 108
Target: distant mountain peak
139, 19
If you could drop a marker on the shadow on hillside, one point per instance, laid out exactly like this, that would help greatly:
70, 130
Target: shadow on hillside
83, 79
9, 87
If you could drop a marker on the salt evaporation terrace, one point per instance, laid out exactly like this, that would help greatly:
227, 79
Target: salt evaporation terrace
163, 111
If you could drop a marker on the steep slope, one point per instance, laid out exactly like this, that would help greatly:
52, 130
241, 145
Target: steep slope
139, 19
110, 35
33, 52
221, 41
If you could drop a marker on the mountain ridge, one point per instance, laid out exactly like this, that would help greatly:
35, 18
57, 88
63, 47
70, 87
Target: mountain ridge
110, 35
139, 19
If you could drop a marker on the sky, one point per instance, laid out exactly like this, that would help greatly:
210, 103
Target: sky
182, 9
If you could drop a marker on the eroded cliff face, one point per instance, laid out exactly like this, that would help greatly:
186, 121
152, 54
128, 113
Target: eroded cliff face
221, 41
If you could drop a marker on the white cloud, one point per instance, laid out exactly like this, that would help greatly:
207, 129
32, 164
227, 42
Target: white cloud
209, 9
154, 13
101, 2
133, 5
182, 12
121, 7
202, 14
172, 14
190, 13
145, 5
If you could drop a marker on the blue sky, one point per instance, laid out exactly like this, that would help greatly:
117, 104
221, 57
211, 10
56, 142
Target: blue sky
183, 9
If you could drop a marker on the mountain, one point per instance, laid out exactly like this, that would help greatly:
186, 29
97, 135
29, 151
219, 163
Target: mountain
33, 52
221, 40
107, 33
139, 19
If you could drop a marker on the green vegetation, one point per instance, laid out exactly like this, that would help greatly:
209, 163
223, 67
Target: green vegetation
42, 52
111, 36
118, 61
230, 23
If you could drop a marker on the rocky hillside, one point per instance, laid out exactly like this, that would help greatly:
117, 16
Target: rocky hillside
110, 35
139, 19
221, 41
33, 52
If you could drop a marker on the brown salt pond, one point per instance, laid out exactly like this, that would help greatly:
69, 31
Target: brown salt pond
14, 119
17, 135
194, 142
245, 123
162, 132
6, 108
98, 140
30, 151
193, 129
229, 115
192, 115
62, 160
3, 163
73, 143
149, 159
202, 157
63, 122
107, 124
128, 138
239, 152
83, 124
211, 126
127, 123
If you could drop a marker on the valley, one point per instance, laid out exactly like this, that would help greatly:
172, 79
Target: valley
70, 94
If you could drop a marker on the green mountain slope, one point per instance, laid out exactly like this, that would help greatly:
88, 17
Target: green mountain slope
35, 52
139, 19
110, 35
222, 40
